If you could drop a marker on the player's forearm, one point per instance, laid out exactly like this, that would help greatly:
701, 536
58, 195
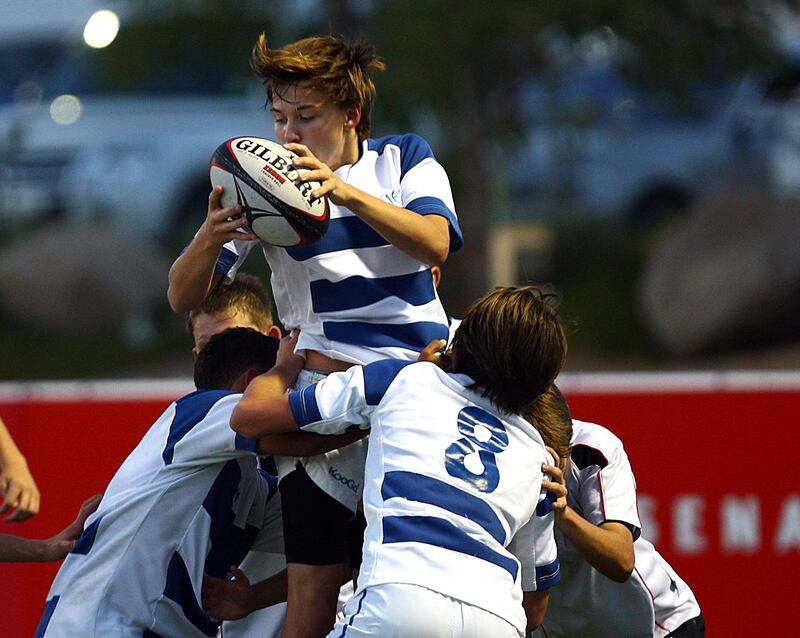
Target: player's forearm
308, 443
608, 549
264, 408
424, 237
14, 549
268, 592
192, 275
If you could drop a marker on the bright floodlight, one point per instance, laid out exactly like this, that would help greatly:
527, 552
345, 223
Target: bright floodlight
101, 29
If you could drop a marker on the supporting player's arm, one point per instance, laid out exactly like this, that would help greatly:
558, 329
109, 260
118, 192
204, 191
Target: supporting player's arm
14, 549
535, 605
424, 237
264, 407
607, 547
192, 275
307, 443
236, 598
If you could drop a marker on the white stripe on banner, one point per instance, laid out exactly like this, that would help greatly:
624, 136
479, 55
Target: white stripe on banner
572, 382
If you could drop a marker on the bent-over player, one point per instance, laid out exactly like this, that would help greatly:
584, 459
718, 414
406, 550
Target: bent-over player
613, 581
190, 499
458, 526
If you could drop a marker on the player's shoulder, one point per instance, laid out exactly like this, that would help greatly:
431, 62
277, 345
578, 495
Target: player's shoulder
201, 404
411, 148
380, 375
594, 444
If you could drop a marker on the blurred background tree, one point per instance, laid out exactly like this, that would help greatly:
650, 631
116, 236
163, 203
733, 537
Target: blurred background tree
488, 85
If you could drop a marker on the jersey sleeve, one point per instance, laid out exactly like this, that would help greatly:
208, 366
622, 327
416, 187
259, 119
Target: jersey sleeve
607, 487
534, 546
200, 431
232, 256
345, 398
332, 405
270, 537
424, 186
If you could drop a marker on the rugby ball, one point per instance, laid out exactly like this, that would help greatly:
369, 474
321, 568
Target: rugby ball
258, 174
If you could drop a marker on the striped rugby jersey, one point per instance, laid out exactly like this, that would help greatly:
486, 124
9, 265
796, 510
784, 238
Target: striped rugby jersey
355, 296
188, 500
452, 491
654, 601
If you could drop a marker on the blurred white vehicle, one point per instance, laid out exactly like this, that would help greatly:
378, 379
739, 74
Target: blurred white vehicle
69, 145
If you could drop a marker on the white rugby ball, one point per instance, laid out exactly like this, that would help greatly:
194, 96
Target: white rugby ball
258, 174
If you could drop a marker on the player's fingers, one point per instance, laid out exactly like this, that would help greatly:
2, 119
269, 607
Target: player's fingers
237, 573
17, 516
215, 199
431, 351
33, 508
298, 149
13, 492
552, 470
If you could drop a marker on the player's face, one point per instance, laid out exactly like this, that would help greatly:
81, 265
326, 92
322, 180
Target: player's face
206, 326
305, 115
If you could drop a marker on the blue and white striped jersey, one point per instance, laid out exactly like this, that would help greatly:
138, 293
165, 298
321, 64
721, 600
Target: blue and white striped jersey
189, 499
452, 491
355, 296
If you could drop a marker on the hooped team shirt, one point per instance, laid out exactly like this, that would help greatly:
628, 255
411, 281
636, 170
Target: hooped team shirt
654, 601
354, 296
452, 492
190, 499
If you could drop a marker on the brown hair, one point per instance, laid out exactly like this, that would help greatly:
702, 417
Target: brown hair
339, 69
551, 417
512, 344
245, 294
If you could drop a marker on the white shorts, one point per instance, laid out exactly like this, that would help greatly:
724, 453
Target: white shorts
338, 473
395, 610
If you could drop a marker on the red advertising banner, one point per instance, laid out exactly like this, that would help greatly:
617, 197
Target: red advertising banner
712, 454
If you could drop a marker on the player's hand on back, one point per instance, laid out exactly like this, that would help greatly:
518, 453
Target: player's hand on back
227, 599
286, 358
222, 224
555, 483
61, 544
433, 352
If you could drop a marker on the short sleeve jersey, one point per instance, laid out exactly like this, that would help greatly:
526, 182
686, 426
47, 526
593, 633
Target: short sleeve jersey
654, 601
452, 492
355, 296
188, 500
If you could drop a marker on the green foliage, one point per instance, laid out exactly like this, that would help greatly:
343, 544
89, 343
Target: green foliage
597, 266
177, 43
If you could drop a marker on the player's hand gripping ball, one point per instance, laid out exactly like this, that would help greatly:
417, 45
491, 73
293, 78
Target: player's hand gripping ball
258, 174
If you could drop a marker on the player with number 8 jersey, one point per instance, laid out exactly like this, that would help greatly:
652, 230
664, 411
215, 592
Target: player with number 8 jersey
458, 526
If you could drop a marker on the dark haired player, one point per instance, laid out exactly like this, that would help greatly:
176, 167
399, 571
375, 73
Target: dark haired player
188, 500
458, 526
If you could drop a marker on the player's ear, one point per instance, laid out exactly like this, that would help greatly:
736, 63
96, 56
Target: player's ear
274, 331
352, 116
243, 380
195, 352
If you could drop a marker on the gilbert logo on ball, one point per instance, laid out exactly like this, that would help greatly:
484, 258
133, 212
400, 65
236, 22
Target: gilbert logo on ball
258, 174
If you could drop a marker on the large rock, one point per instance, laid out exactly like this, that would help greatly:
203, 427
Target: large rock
729, 271
79, 277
